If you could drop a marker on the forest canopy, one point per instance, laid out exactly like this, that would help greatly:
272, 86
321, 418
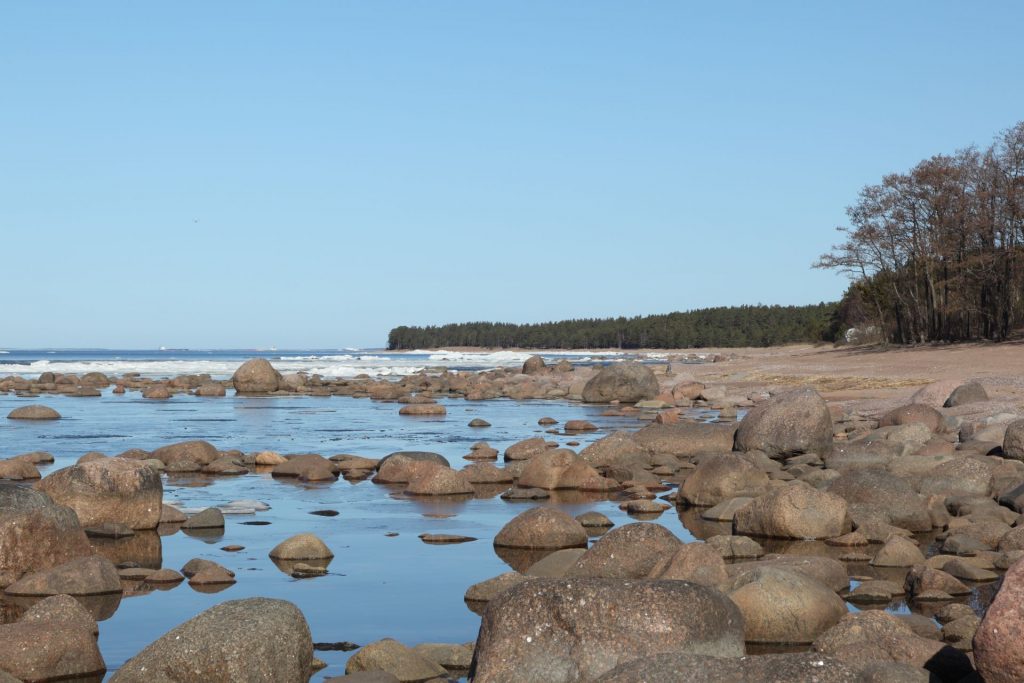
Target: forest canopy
935, 253
724, 326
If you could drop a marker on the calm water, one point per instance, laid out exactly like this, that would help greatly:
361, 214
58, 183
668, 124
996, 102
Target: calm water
378, 586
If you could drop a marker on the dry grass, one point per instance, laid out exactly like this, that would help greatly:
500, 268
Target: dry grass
834, 383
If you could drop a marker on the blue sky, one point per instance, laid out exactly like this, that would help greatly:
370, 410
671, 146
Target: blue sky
311, 174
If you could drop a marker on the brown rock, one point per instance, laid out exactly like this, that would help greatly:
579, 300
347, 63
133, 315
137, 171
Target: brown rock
542, 527
627, 382
631, 551
256, 376
92, 575
33, 412
721, 477
794, 511
108, 490
997, 651
791, 423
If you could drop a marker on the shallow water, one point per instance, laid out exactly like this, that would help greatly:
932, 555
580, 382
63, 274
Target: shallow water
379, 585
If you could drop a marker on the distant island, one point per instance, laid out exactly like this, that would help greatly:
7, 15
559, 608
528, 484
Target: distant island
725, 326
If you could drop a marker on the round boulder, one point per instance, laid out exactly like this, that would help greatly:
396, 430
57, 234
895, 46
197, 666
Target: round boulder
301, 547
239, 640
794, 511
567, 630
108, 490
542, 528
256, 376
630, 551
782, 606
627, 382
33, 412
791, 423
721, 477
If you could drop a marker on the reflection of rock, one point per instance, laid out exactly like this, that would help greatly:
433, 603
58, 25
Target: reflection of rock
206, 535
522, 559
702, 529
143, 549
288, 566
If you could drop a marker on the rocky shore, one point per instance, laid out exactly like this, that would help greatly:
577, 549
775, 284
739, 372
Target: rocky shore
804, 507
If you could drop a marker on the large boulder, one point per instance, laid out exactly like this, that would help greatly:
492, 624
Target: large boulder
544, 528
722, 477
50, 647
393, 657
971, 392
673, 667
36, 533
630, 551
685, 439
567, 630
33, 412
791, 423
108, 490
875, 495
91, 575
562, 469
1013, 440
256, 376
794, 511
534, 365
997, 651
783, 606
627, 382
257, 639
861, 638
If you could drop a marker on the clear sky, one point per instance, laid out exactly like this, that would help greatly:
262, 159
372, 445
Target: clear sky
311, 174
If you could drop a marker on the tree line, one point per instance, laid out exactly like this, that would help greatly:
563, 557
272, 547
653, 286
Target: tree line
935, 253
724, 326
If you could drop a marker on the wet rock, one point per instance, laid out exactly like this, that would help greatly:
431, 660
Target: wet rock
627, 382
525, 494
215, 575
434, 480
171, 515
594, 520
364, 677
775, 668
307, 467
451, 656
486, 473
197, 453
401, 467
483, 592
256, 639
630, 551
791, 423
225, 466
211, 390
924, 583
445, 539
391, 656
210, 518
562, 469
108, 490
542, 528
722, 477
557, 564
726, 510
256, 376
478, 422
112, 530
269, 459
301, 547
164, 576
873, 636
997, 651
579, 426
794, 511
644, 507
558, 630
92, 575
33, 412
960, 632
423, 409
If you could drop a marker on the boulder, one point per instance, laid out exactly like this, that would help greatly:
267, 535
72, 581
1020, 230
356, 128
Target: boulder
875, 495
542, 527
971, 392
257, 639
197, 452
914, 413
91, 575
435, 480
788, 424
936, 393
695, 562
526, 449
898, 552
782, 606
108, 490
210, 518
562, 469
534, 365
400, 661
562, 630
674, 667
962, 476
794, 511
626, 382
49, 648
33, 412
1013, 440
686, 439
36, 533
256, 376
630, 551
18, 469
997, 651
721, 477
874, 636
301, 547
